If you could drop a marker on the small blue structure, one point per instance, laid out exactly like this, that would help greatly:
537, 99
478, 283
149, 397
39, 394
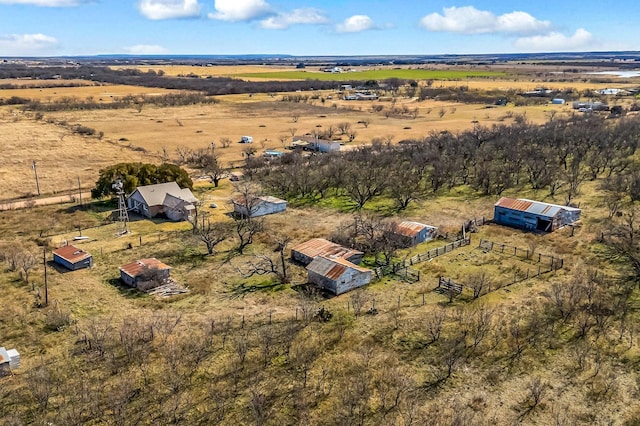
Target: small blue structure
72, 258
533, 215
558, 101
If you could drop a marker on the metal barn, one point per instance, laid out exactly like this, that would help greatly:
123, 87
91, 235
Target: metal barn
533, 215
337, 275
309, 250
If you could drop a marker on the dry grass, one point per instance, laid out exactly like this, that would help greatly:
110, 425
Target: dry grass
98, 92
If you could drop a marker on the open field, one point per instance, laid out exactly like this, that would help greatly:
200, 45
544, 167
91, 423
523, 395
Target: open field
409, 74
98, 93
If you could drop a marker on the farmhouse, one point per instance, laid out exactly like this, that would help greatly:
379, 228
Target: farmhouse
144, 274
533, 215
337, 275
258, 206
412, 233
166, 199
309, 250
72, 257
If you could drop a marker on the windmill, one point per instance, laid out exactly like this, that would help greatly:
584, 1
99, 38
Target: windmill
123, 216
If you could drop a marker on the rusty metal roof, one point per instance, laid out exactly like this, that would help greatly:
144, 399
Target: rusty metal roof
333, 267
134, 268
321, 247
530, 206
72, 254
411, 229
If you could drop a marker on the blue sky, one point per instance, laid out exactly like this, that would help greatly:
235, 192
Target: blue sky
314, 27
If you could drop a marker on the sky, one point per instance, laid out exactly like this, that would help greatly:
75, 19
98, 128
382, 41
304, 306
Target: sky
315, 27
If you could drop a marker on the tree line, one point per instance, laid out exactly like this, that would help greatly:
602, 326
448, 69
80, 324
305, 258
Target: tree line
557, 156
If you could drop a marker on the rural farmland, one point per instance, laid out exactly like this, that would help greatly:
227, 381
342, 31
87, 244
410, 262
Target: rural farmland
193, 309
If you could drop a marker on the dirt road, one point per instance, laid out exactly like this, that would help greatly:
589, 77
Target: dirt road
61, 199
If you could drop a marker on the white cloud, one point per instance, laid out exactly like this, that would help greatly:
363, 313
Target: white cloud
556, 42
284, 20
356, 24
469, 20
169, 9
26, 44
145, 49
240, 10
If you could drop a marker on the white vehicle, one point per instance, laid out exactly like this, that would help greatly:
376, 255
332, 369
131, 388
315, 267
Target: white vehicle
246, 139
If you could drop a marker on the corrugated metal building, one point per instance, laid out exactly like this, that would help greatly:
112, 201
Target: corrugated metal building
9, 360
413, 233
309, 250
72, 257
144, 273
259, 206
337, 275
533, 215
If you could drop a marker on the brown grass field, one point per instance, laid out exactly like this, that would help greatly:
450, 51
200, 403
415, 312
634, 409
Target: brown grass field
488, 393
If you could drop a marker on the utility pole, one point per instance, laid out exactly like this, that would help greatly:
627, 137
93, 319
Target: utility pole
79, 192
35, 172
46, 287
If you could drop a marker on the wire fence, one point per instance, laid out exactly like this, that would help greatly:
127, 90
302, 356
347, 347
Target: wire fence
527, 254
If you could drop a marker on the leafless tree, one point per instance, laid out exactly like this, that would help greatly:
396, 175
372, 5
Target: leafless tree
480, 283
211, 234
344, 127
295, 117
358, 298
214, 169
225, 142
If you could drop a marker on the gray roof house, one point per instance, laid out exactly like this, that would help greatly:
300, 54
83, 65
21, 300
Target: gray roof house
533, 215
163, 198
337, 275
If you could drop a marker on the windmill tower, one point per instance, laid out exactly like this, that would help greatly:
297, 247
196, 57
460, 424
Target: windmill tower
123, 216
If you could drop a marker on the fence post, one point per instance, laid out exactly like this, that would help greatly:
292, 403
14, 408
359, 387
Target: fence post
539, 257
527, 273
502, 249
242, 325
515, 276
527, 254
398, 302
538, 270
297, 313
515, 251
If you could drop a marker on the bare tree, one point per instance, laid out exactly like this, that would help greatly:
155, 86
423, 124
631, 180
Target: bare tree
344, 127
27, 261
266, 265
480, 283
225, 142
213, 169
211, 234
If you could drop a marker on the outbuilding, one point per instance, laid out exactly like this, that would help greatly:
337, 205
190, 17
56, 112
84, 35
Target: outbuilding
9, 360
534, 215
144, 274
413, 233
258, 206
337, 275
309, 250
72, 258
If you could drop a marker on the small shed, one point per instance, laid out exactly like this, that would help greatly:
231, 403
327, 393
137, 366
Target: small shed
9, 360
258, 206
558, 101
337, 275
534, 215
412, 233
309, 250
72, 258
144, 274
